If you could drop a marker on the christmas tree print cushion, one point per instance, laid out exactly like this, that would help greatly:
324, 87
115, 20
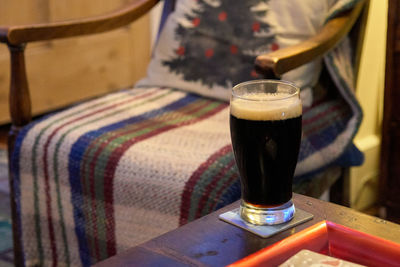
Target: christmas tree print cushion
208, 46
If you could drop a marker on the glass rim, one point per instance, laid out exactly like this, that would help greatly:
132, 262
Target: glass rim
283, 82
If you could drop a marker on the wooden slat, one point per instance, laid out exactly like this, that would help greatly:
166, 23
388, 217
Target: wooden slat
390, 127
75, 9
397, 46
20, 12
76, 27
23, 12
63, 72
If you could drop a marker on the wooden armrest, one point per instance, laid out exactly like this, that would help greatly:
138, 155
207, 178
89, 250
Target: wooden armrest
15, 35
288, 58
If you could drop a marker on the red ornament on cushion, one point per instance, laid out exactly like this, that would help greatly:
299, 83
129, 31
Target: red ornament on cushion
256, 27
234, 49
222, 16
180, 51
196, 22
274, 47
209, 53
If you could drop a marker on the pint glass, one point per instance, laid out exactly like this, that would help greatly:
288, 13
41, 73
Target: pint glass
265, 125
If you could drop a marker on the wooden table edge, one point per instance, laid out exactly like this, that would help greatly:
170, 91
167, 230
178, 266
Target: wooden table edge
165, 249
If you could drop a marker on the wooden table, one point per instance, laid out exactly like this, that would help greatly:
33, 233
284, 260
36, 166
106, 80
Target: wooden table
209, 241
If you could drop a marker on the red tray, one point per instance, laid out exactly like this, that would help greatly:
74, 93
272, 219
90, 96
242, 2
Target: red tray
330, 239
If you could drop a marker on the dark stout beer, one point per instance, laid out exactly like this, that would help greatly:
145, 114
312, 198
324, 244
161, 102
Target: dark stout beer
266, 140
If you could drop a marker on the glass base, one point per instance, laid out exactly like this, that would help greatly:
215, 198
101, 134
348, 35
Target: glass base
266, 216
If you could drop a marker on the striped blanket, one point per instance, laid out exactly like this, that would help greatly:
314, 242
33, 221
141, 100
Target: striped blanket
111, 173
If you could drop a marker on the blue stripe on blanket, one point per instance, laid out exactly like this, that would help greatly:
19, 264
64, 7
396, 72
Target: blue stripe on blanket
324, 138
230, 195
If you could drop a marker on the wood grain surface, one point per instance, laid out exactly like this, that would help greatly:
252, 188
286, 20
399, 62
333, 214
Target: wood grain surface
212, 242
62, 72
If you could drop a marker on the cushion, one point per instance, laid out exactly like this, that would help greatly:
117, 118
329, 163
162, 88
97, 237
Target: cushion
206, 47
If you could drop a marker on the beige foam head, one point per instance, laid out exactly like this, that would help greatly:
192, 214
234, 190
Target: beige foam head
266, 107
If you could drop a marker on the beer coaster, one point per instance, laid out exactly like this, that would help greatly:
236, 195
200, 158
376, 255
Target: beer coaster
265, 231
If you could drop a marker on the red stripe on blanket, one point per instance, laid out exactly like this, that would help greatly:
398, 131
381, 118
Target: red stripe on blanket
232, 178
46, 167
112, 164
211, 186
320, 115
316, 128
191, 183
91, 180
104, 141
49, 213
